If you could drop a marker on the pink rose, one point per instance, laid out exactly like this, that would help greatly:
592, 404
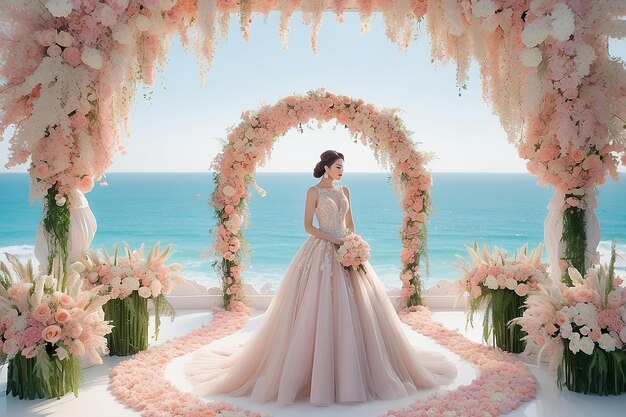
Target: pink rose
551, 328
41, 313
85, 184
62, 315
583, 295
66, 301
45, 37
42, 170
521, 290
561, 318
595, 335
71, 55
54, 50
78, 120
51, 334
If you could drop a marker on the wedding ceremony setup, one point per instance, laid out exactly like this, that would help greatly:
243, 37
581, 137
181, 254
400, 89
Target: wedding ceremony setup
124, 330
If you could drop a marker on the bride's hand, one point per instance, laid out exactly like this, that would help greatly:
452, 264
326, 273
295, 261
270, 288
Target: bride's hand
337, 241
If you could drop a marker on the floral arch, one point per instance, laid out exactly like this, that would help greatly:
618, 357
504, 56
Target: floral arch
69, 71
249, 146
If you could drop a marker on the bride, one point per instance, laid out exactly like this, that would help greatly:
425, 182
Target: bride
329, 334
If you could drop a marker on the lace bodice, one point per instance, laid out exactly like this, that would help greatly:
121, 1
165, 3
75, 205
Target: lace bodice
332, 206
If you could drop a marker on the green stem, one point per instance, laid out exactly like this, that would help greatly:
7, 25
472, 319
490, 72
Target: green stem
575, 239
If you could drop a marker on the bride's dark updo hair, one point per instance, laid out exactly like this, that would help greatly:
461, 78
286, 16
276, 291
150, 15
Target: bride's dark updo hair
327, 158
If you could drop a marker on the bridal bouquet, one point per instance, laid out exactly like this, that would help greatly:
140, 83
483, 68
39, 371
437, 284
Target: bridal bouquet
353, 252
46, 325
503, 284
130, 281
582, 330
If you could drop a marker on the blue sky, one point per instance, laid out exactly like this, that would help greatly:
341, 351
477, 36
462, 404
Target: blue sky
181, 126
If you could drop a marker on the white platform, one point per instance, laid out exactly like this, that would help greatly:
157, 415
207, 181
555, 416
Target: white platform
95, 399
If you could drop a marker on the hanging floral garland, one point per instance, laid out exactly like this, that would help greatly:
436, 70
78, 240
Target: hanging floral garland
249, 146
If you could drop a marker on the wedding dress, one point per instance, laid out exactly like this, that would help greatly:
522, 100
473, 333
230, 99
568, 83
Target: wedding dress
329, 334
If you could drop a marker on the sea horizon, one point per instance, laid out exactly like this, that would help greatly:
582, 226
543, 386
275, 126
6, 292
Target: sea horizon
501, 209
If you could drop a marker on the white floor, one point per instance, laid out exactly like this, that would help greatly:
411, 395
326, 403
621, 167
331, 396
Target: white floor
95, 400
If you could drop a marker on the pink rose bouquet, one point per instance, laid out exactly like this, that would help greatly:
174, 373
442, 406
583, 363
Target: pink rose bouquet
51, 322
503, 284
354, 252
130, 281
581, 329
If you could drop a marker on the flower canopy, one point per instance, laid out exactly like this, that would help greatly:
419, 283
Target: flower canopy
69, 71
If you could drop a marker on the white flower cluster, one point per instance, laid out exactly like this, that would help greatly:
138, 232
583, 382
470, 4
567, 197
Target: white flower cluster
59, 8
559, 24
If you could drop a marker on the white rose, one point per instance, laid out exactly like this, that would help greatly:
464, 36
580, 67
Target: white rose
511, 284
606, 342
484, 8
585, 55
166, 5
491, 282
586, 345
155, 287
531, 57
562, 26
122, 34
622, 334
64, 39
122, 3
536, 32
59, 8
145, 292
131, 283
142, 23
566, 331
574, 342
91, 57
229, 191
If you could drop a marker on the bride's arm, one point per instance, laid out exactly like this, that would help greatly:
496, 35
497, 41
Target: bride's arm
349, 220
309, 209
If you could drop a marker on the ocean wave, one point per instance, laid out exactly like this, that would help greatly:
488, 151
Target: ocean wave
605, 253
21, 252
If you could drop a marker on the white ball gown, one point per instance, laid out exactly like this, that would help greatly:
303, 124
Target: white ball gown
329, 334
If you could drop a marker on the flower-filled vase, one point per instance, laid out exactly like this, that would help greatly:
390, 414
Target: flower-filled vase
47, 324
602, 372
131, 281
502, 285
43, 376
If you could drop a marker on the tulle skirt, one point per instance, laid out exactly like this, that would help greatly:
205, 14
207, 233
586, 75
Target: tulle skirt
329, 334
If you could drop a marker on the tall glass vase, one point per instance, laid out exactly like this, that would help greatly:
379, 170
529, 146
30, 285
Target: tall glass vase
129, 318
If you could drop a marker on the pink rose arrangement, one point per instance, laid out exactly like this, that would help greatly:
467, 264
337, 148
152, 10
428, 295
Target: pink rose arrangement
129, 282
47, 321
249, 146
354, 252
582, 327
503, 284
118, 277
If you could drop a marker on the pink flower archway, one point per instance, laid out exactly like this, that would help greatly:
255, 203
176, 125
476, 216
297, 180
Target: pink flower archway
249, 146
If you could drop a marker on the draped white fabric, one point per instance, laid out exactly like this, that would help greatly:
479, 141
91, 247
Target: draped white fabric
553, 230
82, 230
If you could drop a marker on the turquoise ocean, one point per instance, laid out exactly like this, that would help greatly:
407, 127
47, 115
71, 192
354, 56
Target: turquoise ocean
504, 210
